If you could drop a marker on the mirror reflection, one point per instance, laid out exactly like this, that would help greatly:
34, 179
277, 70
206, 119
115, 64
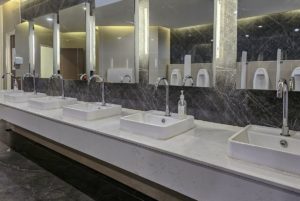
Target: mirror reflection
115, 41
181, 42
268, 44
73, 42
21, 53
43, 27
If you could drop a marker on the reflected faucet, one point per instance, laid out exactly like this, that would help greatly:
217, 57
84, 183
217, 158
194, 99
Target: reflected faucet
33, 78
167, 93
12, 75
59, 76
186, 78
126, 76
283, 93
99, 79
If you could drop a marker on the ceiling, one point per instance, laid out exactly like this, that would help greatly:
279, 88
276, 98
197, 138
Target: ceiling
168, 13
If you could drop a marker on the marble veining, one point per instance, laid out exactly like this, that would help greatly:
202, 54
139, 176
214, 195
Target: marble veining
226, 105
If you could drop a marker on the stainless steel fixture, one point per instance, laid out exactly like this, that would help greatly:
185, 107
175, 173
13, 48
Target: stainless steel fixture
12, 75
126, 76
59, 76
99, 79
33, 75
186, 78
283, 92
167, 93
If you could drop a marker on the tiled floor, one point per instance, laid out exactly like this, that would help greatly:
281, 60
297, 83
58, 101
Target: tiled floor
31, 172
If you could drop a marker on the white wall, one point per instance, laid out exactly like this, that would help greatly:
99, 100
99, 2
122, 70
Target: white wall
11, 17
22, 47
117, 43
160, 52
46, 62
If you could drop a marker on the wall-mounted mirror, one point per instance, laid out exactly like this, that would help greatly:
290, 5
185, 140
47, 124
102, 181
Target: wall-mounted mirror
268, 43
44, 58
22, 47
181, 42
73, 42
115, 41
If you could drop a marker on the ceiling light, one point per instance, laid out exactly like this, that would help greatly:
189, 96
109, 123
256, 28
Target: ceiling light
119, 38
49, 19
297, 30
260, 26
247, 36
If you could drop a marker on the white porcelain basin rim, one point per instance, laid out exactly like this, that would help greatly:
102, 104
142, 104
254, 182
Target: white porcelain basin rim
154, 119
90, 106
22, 97
262, 145
91, 111
153, 124
51, 102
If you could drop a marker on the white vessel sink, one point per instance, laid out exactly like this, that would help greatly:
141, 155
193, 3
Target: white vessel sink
51, 102
265, 146
91, 111
154, 124
22, 97
10, 91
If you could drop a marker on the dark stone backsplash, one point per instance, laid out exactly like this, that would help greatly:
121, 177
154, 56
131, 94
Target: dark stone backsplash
227, 106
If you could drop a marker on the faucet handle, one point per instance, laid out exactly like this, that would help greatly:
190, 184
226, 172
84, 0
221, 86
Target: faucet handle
292, 84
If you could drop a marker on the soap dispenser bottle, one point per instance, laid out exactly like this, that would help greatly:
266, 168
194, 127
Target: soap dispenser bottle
182, 106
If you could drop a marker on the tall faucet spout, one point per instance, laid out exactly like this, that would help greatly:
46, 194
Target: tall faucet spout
99, 79
283, 92
167, 113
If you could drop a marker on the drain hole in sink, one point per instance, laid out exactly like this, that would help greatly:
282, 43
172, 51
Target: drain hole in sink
163, 120
284, 143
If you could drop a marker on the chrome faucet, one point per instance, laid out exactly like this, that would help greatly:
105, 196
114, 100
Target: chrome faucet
283, 92
126, 76
59, 76
33, 78
12, 75
186, 78
99, 79
167, 93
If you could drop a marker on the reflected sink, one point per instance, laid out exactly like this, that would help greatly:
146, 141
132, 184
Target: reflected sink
51, 102
265, 146
22, 97
154, 124
10, 91
91, 111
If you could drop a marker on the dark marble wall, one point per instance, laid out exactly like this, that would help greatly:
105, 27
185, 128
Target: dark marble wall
226, 105
265, 34
196, 41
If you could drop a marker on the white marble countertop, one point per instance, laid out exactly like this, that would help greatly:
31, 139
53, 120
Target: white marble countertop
205, 145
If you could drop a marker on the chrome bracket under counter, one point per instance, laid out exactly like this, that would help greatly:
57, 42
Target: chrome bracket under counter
194, 164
